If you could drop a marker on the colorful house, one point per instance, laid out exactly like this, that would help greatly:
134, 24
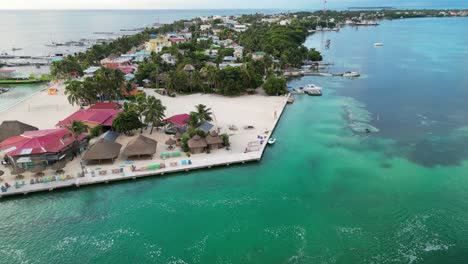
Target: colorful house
157, 44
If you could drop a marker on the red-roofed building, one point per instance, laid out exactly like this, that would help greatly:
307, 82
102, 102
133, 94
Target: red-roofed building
177, 123
105, 106
92, 118
177, 40
42, 147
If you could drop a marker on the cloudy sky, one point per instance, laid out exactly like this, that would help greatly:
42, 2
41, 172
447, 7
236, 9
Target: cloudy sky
216, 4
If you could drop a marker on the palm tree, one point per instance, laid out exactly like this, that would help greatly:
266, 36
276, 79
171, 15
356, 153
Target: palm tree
140, 106
154, 113
196, 80
171, 82
108, 83
194, 120
76, 129
203, 113
73, 91
211, 75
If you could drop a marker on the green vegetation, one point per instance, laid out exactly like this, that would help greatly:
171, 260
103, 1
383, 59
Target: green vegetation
275, 86
105, 85
126, 122
76, 129
194, 71
203, 113
148, 110
283, 42
95, 132
63, 68
32, 79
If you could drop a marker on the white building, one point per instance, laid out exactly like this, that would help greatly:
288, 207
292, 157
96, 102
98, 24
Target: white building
169, 58
205, 27
240, 28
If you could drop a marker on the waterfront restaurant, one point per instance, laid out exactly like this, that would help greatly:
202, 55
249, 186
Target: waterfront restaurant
42, 148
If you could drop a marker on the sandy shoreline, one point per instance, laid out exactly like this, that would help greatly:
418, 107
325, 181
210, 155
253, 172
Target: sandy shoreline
40, 109
262, 112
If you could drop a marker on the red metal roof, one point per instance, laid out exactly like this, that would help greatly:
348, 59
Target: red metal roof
103, 117
38, 142
105, 106
126, 69
177, 40
7, 71
179, 120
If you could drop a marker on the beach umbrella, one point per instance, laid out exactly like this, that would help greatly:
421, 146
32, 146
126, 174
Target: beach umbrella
170, 142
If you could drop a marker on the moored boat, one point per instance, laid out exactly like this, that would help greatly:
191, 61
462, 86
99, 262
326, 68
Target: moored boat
313, 90
351, 74
271, 141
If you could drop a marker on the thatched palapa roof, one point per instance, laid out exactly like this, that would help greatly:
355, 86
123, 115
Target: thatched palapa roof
214, 138
13, 128
140, 146
102, 150
197, 142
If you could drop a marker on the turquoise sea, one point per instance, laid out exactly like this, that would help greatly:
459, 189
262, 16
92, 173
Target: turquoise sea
324, 193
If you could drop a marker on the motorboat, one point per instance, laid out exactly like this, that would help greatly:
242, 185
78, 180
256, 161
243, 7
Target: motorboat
378, 44
313, 90
351, 74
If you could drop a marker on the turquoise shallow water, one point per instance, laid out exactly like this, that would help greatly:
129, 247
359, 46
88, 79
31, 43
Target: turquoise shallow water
323, 193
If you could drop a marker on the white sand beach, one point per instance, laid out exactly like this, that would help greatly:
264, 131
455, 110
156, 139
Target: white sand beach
261, 112
41, 109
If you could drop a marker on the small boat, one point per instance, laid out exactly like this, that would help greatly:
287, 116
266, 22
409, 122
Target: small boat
313, 90
271, 141
351, 74
378, 44
291, 100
